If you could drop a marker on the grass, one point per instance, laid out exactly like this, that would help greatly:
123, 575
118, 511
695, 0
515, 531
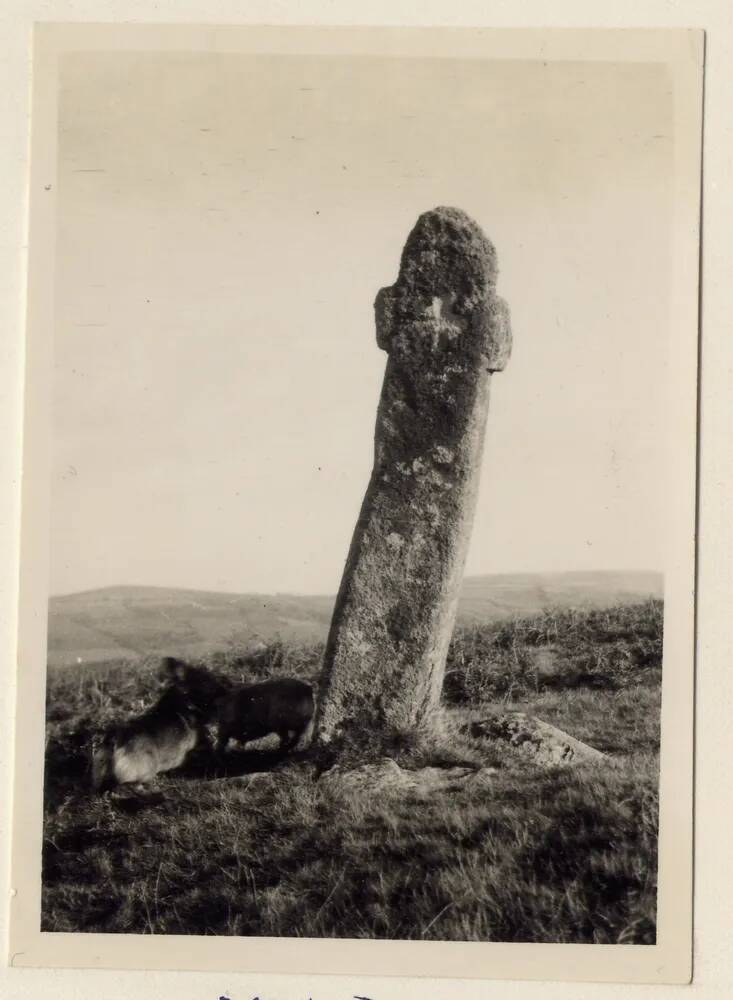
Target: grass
561, 855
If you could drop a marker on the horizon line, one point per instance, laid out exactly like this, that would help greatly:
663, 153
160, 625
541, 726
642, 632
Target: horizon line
324, 594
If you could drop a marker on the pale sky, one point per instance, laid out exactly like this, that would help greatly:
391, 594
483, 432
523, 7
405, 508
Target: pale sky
225, 222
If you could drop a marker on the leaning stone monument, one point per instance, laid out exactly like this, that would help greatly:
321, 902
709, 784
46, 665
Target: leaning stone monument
445, 331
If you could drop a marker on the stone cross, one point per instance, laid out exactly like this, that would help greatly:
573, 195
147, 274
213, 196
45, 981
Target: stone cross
444, 330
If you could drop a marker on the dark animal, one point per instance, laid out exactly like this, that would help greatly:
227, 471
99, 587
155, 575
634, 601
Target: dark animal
162, 737
283, 706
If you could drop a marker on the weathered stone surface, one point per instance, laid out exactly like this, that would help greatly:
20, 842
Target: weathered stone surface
445, 331
386, 777
540, 742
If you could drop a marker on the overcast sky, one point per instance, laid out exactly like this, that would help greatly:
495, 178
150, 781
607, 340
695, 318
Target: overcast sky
225, 222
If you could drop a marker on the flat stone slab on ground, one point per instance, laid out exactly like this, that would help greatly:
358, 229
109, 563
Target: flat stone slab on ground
539, 741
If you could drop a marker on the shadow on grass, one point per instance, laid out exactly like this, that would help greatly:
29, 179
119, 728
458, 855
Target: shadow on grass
68, 768
206, 765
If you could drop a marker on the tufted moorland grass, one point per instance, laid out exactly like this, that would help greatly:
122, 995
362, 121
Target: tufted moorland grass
561, 855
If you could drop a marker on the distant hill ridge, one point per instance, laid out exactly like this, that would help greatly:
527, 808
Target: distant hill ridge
131, 621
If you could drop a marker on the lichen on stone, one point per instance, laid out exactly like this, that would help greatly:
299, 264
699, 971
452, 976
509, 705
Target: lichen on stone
444, 330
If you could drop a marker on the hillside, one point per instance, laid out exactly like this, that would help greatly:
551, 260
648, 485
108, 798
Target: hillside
121, 622
248, 843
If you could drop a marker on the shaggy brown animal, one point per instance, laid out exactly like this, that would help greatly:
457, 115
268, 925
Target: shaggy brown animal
162, 737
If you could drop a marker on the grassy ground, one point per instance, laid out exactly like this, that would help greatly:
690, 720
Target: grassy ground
562, 855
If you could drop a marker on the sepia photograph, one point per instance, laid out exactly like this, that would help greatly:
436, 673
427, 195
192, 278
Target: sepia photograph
359, 598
